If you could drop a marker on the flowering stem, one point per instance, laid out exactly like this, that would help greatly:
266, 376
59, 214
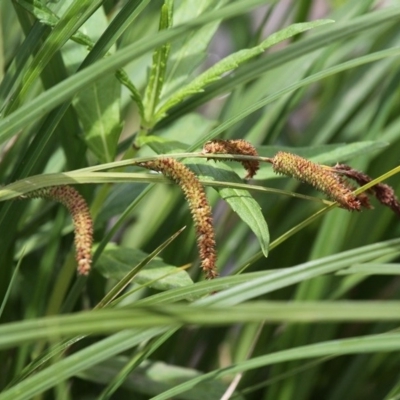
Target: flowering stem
319, 177
199, 207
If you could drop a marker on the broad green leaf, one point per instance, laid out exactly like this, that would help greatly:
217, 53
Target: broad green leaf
115, 262
232, 62
152, 378
98, 108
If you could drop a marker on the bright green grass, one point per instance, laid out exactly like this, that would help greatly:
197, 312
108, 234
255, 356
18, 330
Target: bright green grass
308, 302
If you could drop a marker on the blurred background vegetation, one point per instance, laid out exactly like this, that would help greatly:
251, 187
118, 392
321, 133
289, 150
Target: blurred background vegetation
307, 302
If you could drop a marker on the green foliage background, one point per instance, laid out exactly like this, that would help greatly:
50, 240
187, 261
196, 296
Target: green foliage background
307, 305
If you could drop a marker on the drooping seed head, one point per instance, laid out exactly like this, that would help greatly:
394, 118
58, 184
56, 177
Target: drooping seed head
82, 220
315, 175
199, 208
384, 193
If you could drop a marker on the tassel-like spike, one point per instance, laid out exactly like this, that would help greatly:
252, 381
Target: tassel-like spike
321, 178
199, 208
83, 224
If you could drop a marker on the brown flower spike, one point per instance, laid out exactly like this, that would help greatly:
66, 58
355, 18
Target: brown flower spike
238, 146
199, 207
384, 193
323, 179
83, 225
